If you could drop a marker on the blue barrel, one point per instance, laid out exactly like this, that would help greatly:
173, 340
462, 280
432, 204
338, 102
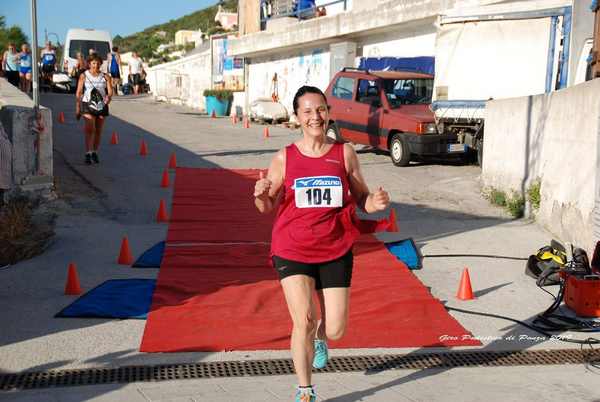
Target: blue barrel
218, 106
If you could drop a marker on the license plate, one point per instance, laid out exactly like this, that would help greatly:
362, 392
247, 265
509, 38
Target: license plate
457, 147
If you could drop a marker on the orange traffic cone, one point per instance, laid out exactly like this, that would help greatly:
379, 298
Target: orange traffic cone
114, 140
143, 148
393, 227
125, 257
213, 115
161, 215
246, 122
72, 287
165, 179
266, 132
61, 117
173, 161
465, 292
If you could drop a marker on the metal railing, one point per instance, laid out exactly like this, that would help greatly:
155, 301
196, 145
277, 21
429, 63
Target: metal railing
286, 8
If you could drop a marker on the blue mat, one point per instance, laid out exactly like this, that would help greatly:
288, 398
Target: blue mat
115, 298
152, 257
406, 251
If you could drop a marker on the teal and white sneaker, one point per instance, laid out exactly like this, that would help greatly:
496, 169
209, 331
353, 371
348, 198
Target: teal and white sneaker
306, 395
321, 354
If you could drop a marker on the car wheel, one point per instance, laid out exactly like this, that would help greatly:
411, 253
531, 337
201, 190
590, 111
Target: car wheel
399, 150
334, 133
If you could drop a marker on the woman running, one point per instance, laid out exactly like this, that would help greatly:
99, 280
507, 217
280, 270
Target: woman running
94, 92
320, 182
25, 68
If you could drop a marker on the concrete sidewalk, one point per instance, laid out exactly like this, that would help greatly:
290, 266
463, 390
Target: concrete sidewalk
439, 205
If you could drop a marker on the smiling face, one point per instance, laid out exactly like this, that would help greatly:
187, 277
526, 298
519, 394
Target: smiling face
313, 114
94, 66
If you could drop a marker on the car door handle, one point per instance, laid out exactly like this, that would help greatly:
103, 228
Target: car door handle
349, 109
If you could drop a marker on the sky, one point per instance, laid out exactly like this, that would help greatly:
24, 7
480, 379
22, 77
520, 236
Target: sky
119, 17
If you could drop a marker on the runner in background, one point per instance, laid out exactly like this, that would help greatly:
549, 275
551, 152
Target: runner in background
10, 64
94, 93
25, 68
48, 57
317, 184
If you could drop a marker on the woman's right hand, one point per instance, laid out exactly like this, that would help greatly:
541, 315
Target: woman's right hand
262, 187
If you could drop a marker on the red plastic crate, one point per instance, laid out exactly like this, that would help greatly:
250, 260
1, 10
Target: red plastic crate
583, 296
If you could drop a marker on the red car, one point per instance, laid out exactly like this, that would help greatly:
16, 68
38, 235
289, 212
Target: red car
388, 110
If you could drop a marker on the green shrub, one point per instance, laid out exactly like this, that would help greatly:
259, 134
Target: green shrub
515, 205
533, 194
220, 94
497, 197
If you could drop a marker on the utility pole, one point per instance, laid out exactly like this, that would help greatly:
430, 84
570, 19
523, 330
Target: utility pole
596, 47
34, 58
37, 127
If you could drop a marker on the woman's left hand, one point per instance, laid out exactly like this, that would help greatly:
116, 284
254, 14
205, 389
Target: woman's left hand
380, 199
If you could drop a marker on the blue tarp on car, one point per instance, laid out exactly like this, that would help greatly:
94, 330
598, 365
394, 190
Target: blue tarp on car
423, 64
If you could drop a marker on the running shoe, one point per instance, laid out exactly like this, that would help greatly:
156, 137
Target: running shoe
88, 159
306, 395
95, 157
321, 354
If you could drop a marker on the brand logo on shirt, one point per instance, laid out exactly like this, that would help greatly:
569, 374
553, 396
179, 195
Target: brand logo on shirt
318, 181
332, 161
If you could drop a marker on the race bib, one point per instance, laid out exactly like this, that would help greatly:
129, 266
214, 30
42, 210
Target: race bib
318, 192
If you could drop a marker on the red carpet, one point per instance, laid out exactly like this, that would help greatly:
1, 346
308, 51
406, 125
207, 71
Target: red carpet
214, 297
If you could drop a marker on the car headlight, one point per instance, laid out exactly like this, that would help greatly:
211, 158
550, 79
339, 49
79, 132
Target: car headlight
428, 128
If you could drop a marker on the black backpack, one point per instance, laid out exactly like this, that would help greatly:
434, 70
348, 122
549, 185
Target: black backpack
96, 103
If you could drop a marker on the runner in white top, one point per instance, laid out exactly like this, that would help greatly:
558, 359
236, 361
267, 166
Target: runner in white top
94, 92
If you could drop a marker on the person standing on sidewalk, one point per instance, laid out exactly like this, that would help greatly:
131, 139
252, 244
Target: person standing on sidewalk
318, 184
25, 68
114, 68
135, 72
94, 92
10, 64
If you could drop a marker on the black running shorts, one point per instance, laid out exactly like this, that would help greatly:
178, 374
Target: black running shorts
85, 109
330, 274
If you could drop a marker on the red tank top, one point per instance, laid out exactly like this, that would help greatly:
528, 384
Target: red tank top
315, 220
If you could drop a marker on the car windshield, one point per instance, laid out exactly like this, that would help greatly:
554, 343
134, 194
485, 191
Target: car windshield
412, 91
84, 46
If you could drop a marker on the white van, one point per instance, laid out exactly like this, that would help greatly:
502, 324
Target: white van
82, 40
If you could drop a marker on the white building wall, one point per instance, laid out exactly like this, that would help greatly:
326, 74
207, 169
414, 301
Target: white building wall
312, 66
406, 43
294, 69
182, 81
554, 138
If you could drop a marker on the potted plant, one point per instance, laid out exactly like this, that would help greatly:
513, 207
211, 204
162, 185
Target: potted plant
217, 101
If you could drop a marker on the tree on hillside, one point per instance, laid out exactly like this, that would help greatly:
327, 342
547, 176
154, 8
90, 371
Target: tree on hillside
146, 42
13, 34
